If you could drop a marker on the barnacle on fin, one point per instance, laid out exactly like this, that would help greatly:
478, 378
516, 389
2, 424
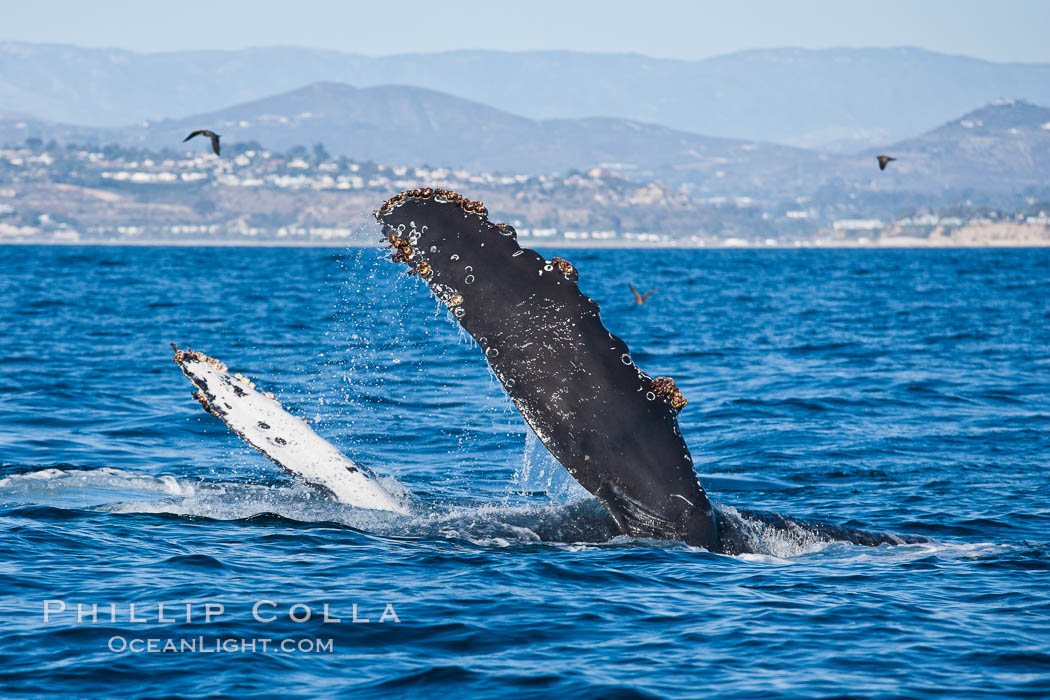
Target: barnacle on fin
199, 395
566, 268
665, 386
403, 249
183, 356
563, 265
468, 205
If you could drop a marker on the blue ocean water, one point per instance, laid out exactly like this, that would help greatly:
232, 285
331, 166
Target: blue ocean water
906, 391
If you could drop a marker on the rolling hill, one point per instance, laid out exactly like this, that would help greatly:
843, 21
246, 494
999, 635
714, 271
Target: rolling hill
1003, 147
406, 125
841, 100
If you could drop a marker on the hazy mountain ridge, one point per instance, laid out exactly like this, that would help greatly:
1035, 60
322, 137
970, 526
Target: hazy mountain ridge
831, 98
406, 125
999, 147
414, 126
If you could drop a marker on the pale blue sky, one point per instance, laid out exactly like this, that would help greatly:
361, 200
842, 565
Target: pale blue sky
999, 30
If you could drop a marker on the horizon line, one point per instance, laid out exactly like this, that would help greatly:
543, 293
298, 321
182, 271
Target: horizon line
343, 52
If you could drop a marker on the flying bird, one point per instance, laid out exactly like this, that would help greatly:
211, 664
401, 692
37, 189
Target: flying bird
210, 134
639, 298
884, 161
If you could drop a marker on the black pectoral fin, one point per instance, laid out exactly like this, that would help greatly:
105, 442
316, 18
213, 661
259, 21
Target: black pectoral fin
572, 380
635, 517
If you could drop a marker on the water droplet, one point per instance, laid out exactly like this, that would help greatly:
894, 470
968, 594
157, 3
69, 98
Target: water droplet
459, 312
492, 352
510, 381
516, 253
650, 395
469, 279
548, 268
625, 358
433, 249
454, 257
468, 268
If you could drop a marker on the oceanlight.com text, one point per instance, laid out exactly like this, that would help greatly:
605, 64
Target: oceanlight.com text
219, 645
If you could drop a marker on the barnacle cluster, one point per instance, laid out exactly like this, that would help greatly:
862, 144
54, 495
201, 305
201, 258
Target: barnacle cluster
468, 205
665, 386
563, 265
403, 248
403, 251
184, 357
199, 395
245, 379
190, 354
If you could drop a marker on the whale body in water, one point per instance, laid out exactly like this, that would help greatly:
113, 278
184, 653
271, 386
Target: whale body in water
610, 424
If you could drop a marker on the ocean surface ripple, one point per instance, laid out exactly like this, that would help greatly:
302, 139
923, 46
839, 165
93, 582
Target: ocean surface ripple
905, 391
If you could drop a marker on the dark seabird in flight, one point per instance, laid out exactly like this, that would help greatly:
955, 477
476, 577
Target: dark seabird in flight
639, 298
210, 134
884, 161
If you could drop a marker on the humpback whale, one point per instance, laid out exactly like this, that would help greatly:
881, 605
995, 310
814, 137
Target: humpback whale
259, 419
613, 426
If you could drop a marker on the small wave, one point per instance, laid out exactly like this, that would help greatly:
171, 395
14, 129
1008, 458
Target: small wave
920, 551
722, 482
760, 538
86, 485
574, 523
194, 561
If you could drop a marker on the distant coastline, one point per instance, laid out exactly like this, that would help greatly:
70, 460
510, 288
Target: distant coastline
79, 194
971, 236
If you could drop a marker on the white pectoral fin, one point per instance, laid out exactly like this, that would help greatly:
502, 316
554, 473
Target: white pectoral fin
260, 420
